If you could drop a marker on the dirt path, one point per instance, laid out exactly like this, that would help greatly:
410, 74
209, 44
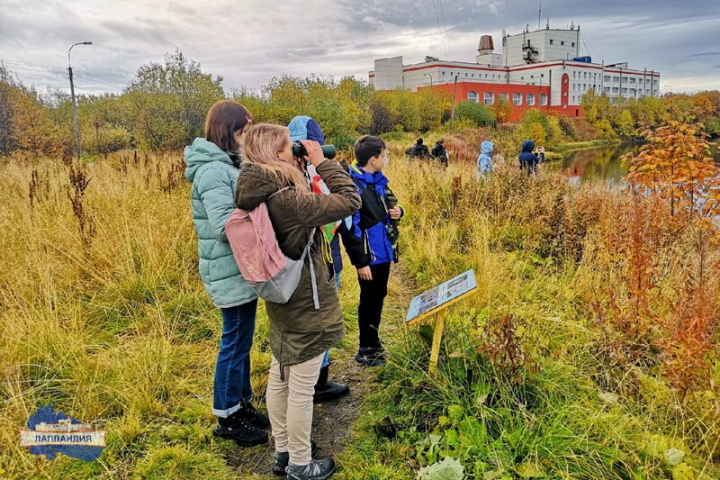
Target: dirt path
333, 421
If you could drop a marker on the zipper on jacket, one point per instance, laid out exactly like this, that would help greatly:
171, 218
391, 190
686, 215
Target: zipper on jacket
369, 251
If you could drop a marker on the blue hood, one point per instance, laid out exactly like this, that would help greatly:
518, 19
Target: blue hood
376, 178
486, 147
528, 146
305, 128
201, 152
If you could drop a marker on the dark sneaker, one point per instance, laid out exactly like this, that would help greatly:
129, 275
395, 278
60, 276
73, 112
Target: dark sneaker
315, 470
371, 357
256, 418
282, 460
241, 432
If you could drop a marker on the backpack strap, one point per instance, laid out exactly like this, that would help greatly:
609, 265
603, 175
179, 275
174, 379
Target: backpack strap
313, 277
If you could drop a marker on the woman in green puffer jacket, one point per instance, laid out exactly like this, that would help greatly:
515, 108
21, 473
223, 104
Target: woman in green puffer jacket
213, 166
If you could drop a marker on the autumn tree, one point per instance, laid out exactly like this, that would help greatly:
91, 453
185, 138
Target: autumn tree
676, 165
169, 101
8, 142
502, 110
433, 105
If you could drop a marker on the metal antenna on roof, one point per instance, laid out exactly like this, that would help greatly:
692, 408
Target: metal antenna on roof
539, 13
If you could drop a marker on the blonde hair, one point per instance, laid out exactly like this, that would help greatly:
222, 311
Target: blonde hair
262, 143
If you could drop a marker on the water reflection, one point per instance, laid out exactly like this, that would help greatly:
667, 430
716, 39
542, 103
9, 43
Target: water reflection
601, 163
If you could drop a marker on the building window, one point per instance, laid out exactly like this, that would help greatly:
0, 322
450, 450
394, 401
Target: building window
616, 79
504, 96
472, 75
489, 98
606, 78
443, 73
574, 101
530, 100
606, 90
543, 99
562, 42
573, 44
473, 96
552, 42
517, 99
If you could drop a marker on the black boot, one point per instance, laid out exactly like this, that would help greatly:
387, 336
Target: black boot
326, 390
239, 429
253, 415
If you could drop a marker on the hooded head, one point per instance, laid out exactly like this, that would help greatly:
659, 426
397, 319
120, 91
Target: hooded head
486, 147
305, 128
528, 146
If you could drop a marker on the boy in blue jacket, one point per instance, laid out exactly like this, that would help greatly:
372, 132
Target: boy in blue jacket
371, 242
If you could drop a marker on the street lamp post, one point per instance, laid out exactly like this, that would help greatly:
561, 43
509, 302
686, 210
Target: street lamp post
428, 75
74, 101
452, 112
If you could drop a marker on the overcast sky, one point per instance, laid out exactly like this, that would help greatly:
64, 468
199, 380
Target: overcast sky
248, 42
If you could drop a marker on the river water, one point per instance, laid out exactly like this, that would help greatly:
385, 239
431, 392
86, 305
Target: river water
601, 163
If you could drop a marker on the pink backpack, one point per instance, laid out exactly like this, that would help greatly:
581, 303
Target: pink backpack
271, 274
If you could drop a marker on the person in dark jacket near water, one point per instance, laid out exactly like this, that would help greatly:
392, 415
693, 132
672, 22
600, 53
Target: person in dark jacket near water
528, 159
372, 243
419, 150
439, 152
306, 128
212, 165
299, 333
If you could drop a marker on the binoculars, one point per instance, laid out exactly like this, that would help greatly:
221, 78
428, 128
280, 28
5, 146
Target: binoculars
328, 151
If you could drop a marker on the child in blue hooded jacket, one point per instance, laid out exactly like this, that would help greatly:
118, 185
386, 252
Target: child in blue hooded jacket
371, 243
484, 161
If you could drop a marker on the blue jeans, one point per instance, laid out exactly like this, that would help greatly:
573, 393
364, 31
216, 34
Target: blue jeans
232, 370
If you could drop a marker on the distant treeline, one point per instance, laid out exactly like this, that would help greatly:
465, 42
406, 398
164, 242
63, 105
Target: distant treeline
164, 106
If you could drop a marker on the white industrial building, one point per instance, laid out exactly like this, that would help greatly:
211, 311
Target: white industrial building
546, 58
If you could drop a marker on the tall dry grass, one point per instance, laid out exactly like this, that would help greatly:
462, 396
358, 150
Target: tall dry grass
108, 321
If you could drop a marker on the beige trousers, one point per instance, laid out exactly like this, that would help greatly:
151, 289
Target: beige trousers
290, 407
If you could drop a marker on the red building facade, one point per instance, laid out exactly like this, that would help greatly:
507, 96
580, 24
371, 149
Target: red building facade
521, 97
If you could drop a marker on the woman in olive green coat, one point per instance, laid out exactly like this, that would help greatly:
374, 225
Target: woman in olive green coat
299, 333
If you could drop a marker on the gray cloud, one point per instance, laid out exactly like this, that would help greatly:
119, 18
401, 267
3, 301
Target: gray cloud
251, 41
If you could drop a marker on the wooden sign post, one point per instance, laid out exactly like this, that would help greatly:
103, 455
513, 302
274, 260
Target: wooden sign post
436, 301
